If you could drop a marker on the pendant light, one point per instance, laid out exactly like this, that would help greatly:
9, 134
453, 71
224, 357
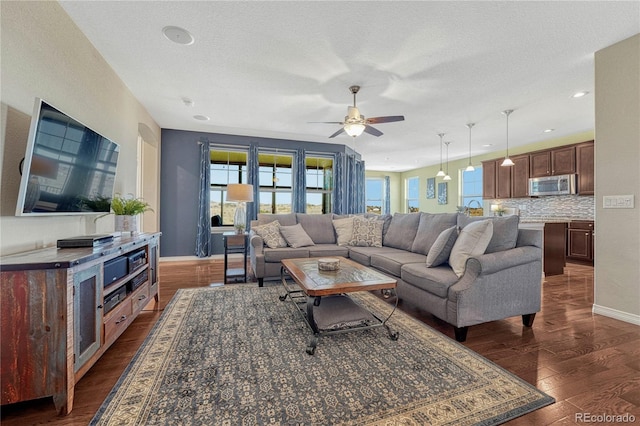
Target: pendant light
447, 177
507, 161
441, 172
470, 167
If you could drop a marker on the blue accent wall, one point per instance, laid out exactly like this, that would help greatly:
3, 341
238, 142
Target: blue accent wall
179, 181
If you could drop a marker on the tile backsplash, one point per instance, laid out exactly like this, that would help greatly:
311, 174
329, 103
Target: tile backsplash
569, 207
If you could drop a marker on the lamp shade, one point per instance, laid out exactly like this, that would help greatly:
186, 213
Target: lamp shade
354, 129
240, 192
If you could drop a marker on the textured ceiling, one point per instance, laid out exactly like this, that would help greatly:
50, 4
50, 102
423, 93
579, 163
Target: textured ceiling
270, 68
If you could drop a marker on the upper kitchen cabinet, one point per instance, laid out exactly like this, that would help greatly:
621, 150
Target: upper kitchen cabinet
553, 162
585, 168
489, 179
520, 176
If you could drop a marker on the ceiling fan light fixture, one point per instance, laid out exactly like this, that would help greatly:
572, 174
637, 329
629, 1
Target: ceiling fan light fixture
354, 129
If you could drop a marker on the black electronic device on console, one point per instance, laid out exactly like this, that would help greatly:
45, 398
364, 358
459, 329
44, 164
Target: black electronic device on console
115, 269
136, 259
85, 241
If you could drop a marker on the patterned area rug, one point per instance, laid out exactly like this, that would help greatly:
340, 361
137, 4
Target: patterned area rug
235, 355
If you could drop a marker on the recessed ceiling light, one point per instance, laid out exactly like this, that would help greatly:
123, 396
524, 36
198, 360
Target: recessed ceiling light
579, 94
178, 35
487, 145
201, 117
548, 130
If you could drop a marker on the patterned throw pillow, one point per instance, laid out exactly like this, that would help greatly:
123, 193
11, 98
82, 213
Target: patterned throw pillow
270, 234
366, 232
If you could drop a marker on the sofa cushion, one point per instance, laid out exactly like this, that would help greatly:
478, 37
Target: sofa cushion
441, 248
392, 262
402, 230
270, 234
472, 241
433, 280
362, 255
323, 250
296, 236
277, 254
286, 219
344, 230
505, 231
430, 226
318, 226
366, 232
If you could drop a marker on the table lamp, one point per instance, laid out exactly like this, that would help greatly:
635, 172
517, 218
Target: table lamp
240, 193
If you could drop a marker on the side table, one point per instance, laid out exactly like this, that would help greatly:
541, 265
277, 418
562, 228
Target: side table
235, 244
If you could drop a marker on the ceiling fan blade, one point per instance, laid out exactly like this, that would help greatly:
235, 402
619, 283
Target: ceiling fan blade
326, 122
372, 131
387, 119
338, 132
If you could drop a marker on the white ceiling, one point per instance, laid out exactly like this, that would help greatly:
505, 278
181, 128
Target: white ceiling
269, 68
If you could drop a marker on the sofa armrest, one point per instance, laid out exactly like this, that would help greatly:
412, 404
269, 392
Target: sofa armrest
256, 243
493, 262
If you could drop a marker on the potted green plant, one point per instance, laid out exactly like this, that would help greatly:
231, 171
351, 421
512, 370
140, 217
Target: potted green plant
127, 208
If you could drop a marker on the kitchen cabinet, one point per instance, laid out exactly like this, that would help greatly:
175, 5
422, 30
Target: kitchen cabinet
520, 176
555, 243
503, 180
553, 162
585, 168
580, 236
489, 179
61, 309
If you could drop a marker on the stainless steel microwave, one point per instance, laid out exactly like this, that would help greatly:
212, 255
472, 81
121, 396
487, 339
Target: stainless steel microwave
552, 185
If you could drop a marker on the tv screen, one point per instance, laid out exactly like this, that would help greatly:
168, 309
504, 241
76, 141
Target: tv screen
68, 168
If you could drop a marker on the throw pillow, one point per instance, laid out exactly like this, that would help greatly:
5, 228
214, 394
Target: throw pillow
402, 230
296, 236
366, 232
441, 248
270, 234
344, 230
505, 231
472, 241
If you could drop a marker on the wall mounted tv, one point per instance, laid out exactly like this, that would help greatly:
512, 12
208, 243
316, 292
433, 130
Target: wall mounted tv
67, 169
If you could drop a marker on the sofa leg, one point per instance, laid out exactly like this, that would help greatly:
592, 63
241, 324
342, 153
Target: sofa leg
260, 282
461, 333
527, 320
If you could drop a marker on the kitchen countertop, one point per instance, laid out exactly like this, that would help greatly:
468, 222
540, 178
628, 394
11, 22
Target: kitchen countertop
552, 219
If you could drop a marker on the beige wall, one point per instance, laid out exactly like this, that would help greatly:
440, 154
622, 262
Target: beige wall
617, 270
453, 188
45, 55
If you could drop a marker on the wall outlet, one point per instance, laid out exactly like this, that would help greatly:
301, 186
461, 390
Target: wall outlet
618, 202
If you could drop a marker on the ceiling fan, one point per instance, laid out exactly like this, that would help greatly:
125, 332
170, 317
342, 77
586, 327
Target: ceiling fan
354, 123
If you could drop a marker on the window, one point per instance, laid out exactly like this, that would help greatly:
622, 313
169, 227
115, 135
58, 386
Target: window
471, 187
374, 193
413, 195
319, 177
275, 177
227, 166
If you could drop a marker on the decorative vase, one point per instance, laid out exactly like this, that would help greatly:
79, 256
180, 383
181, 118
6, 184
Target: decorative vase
126, 223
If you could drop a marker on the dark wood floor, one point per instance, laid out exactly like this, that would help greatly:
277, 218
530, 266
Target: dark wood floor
589, 363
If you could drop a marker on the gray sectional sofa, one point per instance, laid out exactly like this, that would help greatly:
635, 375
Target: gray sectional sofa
498, 274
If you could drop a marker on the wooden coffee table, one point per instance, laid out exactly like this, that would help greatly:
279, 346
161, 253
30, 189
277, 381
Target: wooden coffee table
322, 296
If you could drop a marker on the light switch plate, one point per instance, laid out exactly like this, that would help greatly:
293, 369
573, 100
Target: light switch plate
618, 202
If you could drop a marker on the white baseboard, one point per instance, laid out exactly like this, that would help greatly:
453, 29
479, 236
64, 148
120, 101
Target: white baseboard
616, 314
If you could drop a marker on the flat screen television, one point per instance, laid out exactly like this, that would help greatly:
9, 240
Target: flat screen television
68, 168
